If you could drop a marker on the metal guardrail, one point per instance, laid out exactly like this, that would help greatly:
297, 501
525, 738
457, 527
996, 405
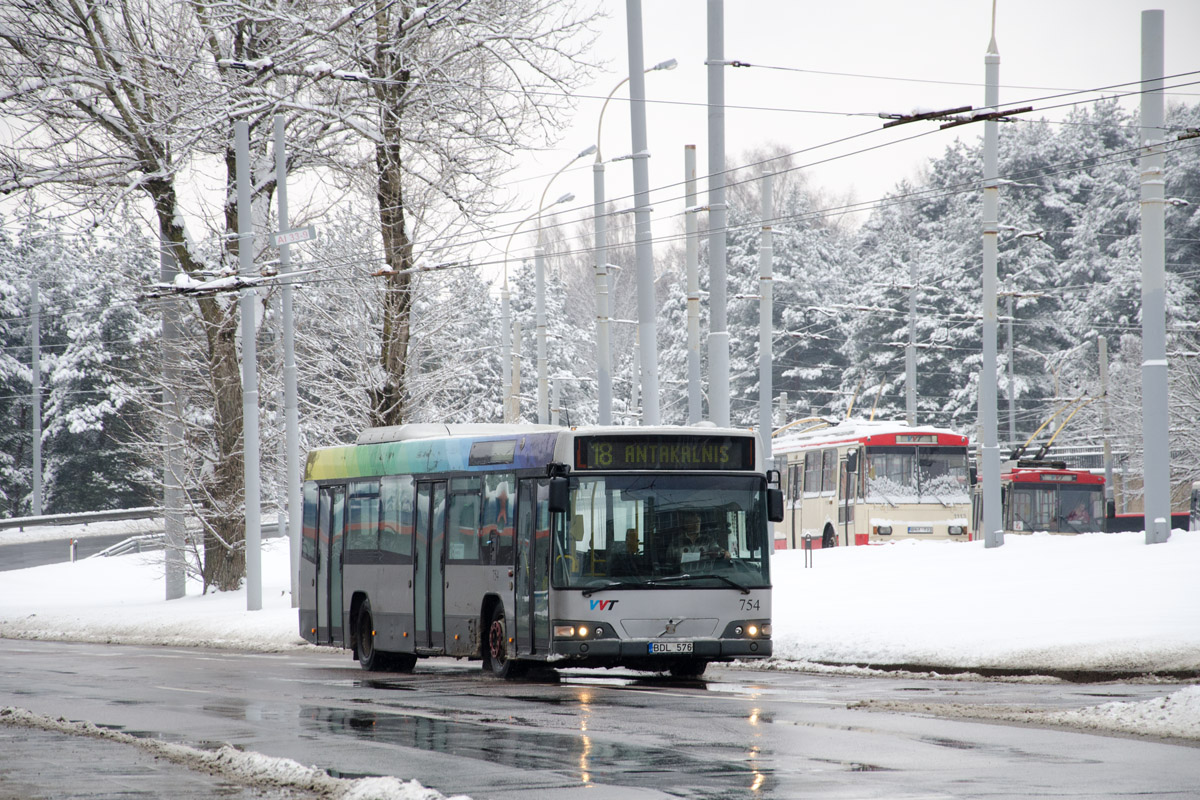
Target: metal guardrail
84, 517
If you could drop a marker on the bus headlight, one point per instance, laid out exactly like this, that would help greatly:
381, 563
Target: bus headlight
752, 630
883, 530
956, 530
564, 631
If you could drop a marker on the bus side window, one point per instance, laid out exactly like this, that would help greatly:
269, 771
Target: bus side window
396, 523
828, 465
463, 544
496, 534
363, 508
812, 472
308, 542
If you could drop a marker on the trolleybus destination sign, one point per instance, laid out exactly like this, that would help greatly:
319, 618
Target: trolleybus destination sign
650, 452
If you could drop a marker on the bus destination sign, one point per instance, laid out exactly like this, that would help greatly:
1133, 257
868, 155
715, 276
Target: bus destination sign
656, 452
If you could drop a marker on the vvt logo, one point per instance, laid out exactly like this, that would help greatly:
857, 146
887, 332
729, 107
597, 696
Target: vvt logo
604, 605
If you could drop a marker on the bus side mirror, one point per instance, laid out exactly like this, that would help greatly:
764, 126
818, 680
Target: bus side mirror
775, 505
852, 461
560, 494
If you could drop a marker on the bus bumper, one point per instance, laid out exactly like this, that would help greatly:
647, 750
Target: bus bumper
623, 649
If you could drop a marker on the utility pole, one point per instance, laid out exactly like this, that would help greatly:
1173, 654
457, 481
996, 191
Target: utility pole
910, 351
718, 219
1110, 504
1156, 453
291, 406
173, 522
692, 259
644, 244
248, 302
35, 401
993, 530
766, 252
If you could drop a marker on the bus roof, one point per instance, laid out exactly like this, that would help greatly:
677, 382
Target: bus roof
865, 432
426, 448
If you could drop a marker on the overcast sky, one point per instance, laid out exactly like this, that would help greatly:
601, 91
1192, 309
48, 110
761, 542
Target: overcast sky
890, 57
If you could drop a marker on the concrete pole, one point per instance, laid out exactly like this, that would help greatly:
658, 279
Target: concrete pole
910, 351
1012, 391
35, 400
513, 412
692, 260
766, 253
718, 334
556, 400
1155, 443
603, 349
993, 531
506, 373
291, 404
249, 372
539, 280
1106, 427
173, 522
643, 242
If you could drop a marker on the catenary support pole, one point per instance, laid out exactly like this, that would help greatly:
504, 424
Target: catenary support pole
249, 301
291, 405
1110, 505
35, 401
910, 351
643, 243
692, 262
766, 252
718, 333
600, 272
173, 521
539, 282
1155, 439
993, 531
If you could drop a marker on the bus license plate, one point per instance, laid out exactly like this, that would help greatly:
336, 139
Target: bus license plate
670, 648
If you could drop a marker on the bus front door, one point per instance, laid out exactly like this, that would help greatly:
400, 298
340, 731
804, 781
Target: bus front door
429, 580
329, 564
531, 582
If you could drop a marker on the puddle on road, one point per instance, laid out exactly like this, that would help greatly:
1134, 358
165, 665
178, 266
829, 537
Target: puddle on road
585, 758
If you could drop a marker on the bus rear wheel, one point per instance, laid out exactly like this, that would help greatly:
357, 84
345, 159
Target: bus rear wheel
495, 651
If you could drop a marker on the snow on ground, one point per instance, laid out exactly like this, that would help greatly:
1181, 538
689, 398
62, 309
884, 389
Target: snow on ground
1041, 603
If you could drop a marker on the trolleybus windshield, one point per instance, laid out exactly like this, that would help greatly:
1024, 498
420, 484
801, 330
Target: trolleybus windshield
652, 531
918, 474
1061, 508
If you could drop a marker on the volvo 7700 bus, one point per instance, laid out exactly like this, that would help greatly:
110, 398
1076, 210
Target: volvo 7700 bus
646, 548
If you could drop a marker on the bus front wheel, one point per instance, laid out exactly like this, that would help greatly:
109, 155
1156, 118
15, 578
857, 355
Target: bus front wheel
368, 657
495, 653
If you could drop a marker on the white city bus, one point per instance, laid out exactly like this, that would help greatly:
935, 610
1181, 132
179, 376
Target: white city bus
859, 482
535, 544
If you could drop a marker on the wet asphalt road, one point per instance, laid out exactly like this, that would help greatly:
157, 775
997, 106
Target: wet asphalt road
594, 735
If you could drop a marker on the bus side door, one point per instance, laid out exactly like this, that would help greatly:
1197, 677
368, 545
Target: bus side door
429, 565
531, 580
330, 527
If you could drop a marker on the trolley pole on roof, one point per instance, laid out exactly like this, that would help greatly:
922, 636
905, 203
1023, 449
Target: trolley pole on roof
249, 372
1156, 455
993, 531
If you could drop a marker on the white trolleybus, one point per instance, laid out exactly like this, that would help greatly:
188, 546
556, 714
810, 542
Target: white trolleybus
646, 548
858, 482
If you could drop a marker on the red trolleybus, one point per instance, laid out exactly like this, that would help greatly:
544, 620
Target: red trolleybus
1039, 495
517, 544
859, 482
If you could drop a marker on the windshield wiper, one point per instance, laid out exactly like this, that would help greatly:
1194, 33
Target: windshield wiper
591, 590
686, 577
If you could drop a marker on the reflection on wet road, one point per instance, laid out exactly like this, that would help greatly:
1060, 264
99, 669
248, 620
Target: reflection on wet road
595, 735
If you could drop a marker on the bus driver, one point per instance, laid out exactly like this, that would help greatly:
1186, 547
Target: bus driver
692, 543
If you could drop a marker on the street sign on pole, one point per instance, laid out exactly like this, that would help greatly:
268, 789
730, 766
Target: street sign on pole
294, 236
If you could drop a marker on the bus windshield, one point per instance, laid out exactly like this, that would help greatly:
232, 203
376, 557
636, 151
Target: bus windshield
1057, 509
647, 531
918, 475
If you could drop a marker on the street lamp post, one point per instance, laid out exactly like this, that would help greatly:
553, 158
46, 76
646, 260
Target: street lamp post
543, 411
600, 217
